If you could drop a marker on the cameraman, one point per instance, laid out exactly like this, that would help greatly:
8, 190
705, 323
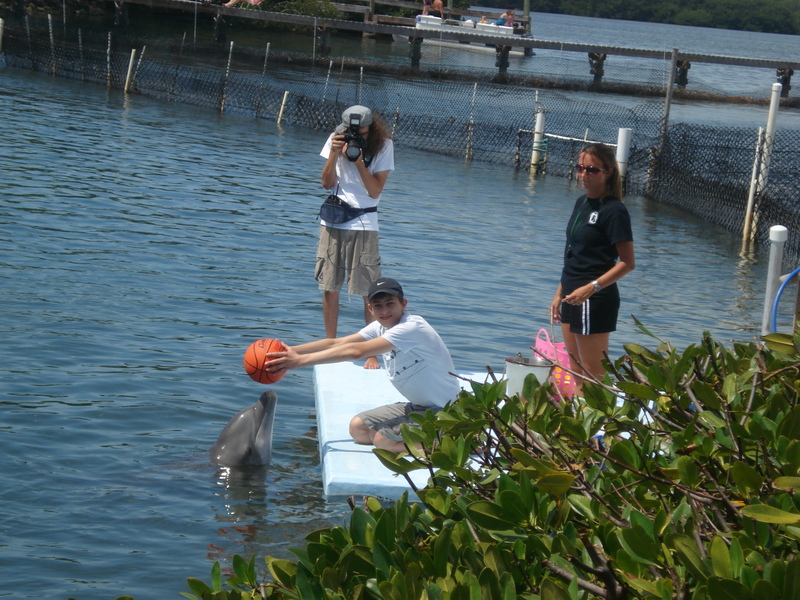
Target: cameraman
350, 250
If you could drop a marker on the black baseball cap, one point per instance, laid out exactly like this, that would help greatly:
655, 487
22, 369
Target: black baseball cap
385, 285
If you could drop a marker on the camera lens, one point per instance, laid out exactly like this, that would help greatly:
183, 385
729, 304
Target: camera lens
353, 151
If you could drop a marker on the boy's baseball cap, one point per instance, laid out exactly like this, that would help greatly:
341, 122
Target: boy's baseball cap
384, 285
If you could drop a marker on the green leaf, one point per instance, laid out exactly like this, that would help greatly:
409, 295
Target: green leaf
790, 424
362, 527
765, 589
729, 388
727, 589
308, 585
638, 390
746, 478
436, 499
781, 342
623, 451
643, 329
790, 484
688, 472
720, 558
216, 577
736, 556
639, 545
706, 395
791, 581
769, 514
690, 557
553, 591
556, 483
489, 516
397, 463
198, 587
574, 429
282, 570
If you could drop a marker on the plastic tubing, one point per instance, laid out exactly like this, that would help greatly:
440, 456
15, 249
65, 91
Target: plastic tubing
786, 281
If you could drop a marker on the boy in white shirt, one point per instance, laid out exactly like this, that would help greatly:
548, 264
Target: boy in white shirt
414, 356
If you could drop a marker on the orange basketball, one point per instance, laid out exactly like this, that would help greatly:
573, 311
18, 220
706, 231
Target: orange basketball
255, 356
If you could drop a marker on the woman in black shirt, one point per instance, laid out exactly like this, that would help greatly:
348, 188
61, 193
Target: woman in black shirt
598, 253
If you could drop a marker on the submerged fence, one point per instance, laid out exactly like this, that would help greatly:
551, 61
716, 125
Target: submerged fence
705, 171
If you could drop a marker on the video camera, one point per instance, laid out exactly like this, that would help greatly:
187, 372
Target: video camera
354, 140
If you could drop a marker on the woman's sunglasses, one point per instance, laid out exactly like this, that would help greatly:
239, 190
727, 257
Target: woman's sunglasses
589, 170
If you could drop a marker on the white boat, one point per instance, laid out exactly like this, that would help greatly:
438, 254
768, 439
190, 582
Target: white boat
431, 23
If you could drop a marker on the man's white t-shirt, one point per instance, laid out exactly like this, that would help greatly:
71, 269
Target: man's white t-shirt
420, 365
350, 188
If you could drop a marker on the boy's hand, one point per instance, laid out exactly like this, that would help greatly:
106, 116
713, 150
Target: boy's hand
281, 361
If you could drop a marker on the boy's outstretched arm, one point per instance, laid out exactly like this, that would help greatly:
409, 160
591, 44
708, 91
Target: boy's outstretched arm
325, 351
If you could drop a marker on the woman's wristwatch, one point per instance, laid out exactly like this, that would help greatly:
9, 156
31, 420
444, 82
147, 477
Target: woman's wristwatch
596, 285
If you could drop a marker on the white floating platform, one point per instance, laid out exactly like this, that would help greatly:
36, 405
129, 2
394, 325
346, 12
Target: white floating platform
342, 390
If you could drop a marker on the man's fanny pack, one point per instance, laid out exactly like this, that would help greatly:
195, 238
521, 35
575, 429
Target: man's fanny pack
336, 210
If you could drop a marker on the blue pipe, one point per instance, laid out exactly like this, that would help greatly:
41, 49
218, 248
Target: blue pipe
778, 297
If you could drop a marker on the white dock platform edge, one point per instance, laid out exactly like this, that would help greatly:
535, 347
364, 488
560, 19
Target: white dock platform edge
343, 390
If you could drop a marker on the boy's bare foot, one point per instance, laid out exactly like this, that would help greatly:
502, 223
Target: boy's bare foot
372, 363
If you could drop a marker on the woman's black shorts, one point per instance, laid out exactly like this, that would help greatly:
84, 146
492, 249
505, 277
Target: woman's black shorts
596, 315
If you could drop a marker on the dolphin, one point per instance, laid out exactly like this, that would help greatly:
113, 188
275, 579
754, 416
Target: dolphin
247, 438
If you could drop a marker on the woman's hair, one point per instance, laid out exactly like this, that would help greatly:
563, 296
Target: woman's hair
607, 157
377, 134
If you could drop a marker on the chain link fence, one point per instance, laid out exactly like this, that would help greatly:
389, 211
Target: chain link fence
705, 171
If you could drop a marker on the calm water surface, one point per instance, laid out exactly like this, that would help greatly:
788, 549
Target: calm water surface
143, 246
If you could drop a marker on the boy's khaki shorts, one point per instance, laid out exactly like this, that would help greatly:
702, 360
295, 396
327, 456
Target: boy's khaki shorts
387, 419
347, 254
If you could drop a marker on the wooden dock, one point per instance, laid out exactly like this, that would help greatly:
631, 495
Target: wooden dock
376, 24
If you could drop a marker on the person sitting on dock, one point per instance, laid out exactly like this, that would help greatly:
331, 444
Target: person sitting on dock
506, 19
414, 356
437, 9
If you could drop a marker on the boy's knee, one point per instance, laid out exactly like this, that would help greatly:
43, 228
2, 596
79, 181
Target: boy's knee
359, 431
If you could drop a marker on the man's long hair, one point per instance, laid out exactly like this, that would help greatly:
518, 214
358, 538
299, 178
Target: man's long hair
606, 156
377, 135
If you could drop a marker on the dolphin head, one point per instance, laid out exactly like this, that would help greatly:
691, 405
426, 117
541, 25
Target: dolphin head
247, 438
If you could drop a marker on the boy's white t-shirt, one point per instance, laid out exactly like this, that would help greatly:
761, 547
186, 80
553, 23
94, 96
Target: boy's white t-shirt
420, 365
350, 188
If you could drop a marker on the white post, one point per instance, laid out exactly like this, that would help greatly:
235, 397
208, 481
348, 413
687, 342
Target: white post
1, 35
623, 150
758, 184
751, 196
130, 70
538, 137
777, 238
668, 100
769, 135
283, 106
